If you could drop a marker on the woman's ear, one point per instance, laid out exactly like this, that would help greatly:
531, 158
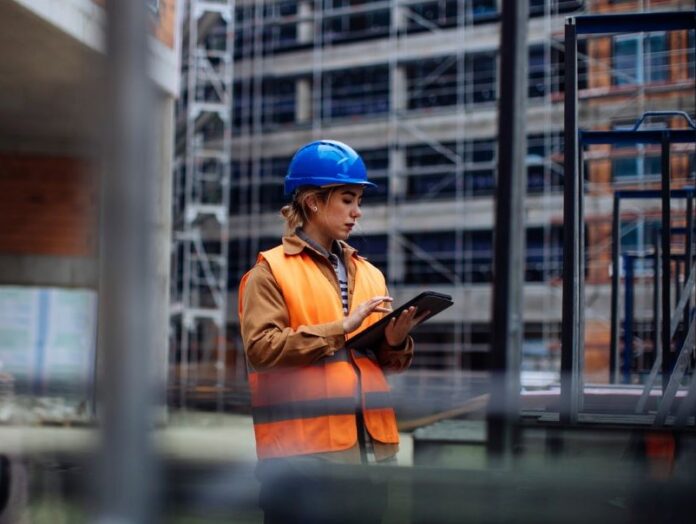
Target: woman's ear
311, 202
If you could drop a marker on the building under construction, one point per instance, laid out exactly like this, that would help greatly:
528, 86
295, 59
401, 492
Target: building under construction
534, 160
414, 87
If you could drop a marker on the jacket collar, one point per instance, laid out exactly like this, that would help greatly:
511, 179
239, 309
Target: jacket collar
293, 245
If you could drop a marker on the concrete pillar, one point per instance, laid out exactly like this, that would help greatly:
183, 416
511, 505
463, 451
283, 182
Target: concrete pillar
305, 27
396, 261
397, 180
399, 16
399, 89
303, 100
162, 226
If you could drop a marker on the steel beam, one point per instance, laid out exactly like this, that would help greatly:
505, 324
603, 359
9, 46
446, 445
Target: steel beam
571, 349
666, 261
615, 270
509, 254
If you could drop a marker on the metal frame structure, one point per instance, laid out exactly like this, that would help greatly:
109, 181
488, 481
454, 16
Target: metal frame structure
202, 196
572, 389
686, 193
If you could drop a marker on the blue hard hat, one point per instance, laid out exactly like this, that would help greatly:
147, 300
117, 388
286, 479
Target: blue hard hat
324, 163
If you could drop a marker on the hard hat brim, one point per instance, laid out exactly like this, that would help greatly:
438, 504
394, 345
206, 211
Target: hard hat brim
292, 185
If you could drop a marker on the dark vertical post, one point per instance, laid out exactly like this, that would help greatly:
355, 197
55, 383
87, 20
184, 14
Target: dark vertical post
127, 267
666, 262
628, 320
615, 269
509, 254
657, 297
688, 255
571, 388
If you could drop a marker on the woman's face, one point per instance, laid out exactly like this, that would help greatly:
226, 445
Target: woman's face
335, 219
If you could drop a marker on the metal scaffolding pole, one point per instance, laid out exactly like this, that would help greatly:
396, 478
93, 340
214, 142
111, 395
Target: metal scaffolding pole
127, 260
509, 257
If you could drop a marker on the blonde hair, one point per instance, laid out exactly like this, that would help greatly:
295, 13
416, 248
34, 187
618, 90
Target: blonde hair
296, 213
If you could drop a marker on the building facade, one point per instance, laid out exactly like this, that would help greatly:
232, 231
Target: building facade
413, 86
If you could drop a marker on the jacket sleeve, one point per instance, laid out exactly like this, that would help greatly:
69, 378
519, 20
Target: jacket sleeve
396, 359
269, 341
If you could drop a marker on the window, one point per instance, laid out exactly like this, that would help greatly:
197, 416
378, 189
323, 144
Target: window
636, 168
377, 164
544, 253
639, 60
373, 247
429, 15
480, 11
432, 83
242, 256
480, 77
638, 237
278, 101
480, 167
356, 25
244, 31
544, 162
353, 92
538, 67
431, 171
634, 164
430, 258
478, 258
242, 104
262, 190
272, 175
278, 37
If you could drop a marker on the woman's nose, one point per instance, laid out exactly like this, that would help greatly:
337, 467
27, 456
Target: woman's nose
357, 213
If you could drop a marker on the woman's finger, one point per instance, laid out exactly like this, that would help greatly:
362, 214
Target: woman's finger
421, 317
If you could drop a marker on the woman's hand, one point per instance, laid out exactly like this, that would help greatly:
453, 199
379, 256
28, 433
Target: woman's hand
398, 328
353, 321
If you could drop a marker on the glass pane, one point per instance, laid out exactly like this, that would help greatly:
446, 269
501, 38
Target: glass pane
626, 65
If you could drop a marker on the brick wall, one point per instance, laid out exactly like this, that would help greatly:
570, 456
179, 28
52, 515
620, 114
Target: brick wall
47, 206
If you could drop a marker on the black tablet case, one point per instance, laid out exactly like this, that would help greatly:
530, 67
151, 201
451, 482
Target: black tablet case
371, 338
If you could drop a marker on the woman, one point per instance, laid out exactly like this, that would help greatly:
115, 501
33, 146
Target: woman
313, 399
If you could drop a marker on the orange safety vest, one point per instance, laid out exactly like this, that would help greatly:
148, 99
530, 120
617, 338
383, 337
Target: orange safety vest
311, 409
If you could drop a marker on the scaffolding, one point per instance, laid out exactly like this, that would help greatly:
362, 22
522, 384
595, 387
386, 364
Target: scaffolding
306, 70
202, 200
413, 86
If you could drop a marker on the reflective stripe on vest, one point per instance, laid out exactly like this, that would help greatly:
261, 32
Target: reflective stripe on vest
311, 409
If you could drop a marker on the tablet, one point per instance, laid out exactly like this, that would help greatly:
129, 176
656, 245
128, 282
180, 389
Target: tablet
371, 338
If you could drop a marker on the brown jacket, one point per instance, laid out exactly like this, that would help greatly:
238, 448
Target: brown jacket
269, 341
